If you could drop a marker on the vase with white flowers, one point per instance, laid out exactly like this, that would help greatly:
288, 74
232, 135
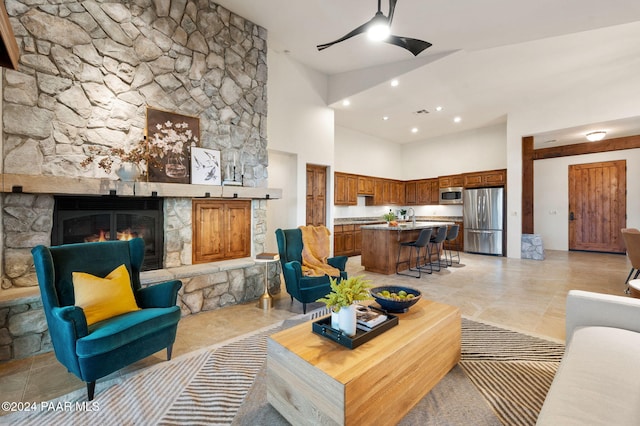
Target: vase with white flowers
167, 151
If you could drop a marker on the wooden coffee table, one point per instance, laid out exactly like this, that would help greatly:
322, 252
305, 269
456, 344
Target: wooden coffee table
313, 380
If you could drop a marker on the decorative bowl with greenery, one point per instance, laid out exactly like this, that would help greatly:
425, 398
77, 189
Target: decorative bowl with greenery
345, 292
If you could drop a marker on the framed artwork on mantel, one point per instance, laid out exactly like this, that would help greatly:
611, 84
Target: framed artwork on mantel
205, 166
170, 138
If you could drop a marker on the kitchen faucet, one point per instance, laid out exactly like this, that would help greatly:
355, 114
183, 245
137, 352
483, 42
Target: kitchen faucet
413, 216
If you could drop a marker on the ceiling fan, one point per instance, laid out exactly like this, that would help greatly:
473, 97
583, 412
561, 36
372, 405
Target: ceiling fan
378, 28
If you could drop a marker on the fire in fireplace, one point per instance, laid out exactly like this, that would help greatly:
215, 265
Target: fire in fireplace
79, 219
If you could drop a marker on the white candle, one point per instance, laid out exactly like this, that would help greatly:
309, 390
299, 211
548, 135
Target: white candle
234, 159
242, 168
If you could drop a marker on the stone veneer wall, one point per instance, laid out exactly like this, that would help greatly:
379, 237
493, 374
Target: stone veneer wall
88, 70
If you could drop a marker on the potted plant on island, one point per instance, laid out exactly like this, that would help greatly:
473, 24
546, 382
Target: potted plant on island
341, 301
390, 218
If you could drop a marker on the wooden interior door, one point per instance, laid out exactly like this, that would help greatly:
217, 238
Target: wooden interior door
597, 206
316, 195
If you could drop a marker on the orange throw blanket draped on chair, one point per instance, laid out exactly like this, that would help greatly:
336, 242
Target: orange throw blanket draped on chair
315, 252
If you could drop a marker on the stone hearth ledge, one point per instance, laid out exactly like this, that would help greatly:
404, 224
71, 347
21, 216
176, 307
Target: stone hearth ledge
206, 286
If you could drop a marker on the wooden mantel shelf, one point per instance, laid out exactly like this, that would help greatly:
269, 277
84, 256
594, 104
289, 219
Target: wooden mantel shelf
63, 185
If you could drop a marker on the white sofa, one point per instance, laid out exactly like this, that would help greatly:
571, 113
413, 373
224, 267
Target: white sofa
598, 381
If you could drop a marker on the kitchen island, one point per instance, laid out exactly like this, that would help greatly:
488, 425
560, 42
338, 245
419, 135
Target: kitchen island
380, 245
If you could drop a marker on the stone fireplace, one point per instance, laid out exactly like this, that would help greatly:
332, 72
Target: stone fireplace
88, 70
92, 219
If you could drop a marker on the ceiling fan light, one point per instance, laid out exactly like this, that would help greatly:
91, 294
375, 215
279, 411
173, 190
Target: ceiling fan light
596, 136
379, 30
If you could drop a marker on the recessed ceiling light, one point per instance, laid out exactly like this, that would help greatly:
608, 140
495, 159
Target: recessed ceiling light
346, 102
438, 108
414, 130
457, 119
394, 83
385, 118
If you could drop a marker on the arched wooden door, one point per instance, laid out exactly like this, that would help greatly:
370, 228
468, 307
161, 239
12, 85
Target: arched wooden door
597, 206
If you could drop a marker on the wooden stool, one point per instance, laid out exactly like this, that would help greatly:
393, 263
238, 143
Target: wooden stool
634, 287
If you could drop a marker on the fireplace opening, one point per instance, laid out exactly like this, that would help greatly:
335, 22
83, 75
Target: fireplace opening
79, 219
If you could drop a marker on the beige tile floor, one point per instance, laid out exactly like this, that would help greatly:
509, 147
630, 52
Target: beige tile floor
525, 295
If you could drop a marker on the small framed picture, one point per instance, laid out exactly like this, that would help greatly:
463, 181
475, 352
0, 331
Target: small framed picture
205, 166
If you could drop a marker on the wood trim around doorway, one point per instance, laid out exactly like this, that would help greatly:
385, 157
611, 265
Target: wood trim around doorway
529, 155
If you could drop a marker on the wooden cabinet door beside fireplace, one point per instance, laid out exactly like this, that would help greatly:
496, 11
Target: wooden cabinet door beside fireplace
221, 230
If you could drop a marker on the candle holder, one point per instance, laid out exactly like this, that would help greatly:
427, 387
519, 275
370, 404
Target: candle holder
231, 178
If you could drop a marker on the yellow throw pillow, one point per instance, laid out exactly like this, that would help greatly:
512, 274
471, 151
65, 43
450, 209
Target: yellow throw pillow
103, 298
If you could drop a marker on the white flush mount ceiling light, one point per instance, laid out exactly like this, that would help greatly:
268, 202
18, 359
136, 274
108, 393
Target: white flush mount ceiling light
394, 83
414, 130
385, 118
438, 108
346, 102
596, 136
457, 119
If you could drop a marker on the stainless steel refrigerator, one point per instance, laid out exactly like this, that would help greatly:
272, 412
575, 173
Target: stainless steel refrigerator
483, 215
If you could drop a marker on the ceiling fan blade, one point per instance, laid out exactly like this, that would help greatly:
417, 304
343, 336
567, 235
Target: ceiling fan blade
361, 29
413, 45
392, 8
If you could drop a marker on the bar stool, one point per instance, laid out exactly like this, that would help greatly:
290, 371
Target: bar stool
452, 234
438, 239
419, 244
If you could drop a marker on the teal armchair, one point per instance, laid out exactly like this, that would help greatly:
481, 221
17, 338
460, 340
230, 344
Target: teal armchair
95, 351
302, 288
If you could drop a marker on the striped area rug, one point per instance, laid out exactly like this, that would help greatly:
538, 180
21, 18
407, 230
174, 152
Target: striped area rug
512, 371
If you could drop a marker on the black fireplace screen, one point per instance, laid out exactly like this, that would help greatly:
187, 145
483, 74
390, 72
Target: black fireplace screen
90, 219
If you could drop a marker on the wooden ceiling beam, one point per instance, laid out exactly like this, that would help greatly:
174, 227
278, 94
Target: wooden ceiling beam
606, 145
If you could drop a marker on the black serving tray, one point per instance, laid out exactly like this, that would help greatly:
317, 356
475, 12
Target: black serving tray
323, 328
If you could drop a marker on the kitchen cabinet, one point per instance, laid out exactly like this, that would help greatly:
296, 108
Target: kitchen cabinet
221, 230
417, 192
427, 192
451, 181
365, 185
344, 243
485, 179
345, 189
387, 192
396, 193
410, 194
381, 193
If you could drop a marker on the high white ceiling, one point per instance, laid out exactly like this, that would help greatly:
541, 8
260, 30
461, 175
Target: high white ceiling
487, 57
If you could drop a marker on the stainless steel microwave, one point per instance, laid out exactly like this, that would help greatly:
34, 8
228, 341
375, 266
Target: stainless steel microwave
451, 195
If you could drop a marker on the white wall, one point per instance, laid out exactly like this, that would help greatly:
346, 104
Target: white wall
479, 149
299, 128
367, 155
606, 87
281, 213
474, 150
552, 189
